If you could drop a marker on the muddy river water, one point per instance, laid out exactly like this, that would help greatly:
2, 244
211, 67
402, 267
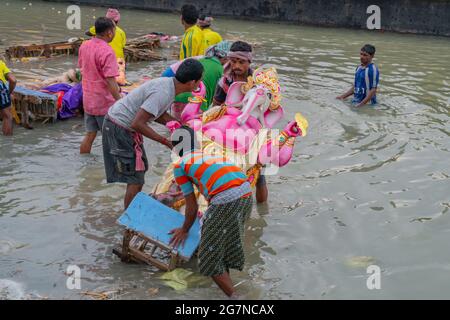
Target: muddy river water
367, 186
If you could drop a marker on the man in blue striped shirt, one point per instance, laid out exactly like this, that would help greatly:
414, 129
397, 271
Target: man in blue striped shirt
366, 79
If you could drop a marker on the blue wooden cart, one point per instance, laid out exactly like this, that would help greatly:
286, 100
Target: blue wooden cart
39, 105
146, 238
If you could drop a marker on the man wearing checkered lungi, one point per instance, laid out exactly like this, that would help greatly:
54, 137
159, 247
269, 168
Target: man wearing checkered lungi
230, 200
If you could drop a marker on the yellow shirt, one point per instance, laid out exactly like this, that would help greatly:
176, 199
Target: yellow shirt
3, 71
210, 38
118, 43
192, 44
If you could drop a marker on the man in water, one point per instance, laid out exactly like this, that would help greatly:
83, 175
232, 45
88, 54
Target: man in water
230, 200
213, 61
210, 37
5, 98
192, 43
117, 44
367, 76
127, 122
240, 58
99, 69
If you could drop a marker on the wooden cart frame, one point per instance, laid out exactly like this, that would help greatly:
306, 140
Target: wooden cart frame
139, 248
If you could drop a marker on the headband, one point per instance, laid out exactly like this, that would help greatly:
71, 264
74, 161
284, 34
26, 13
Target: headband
244, 55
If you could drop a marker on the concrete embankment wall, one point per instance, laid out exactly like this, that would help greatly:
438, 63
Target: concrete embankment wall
411, 16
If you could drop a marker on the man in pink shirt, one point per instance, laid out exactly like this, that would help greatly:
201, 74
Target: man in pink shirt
99, 68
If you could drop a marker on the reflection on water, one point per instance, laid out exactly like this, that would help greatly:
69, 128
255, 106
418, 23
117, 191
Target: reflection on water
369, 182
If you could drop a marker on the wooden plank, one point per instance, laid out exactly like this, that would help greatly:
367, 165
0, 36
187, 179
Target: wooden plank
152, 252
142, 245
173, 261
155, 242
148, 259
118, 252
43, 50
137, 49
127, 235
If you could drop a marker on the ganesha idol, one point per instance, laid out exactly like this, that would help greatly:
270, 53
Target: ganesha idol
242, 130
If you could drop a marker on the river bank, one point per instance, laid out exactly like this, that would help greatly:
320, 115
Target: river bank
406, 16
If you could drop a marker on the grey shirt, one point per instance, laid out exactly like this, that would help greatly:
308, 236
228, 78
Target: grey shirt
154, 96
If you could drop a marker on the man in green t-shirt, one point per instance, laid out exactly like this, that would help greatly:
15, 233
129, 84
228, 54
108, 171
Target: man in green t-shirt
213, 61
214, 67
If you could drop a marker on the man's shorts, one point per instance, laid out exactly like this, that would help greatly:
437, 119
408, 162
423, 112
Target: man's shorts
4, 107
93, 123
119, 155
261, 181
5, 97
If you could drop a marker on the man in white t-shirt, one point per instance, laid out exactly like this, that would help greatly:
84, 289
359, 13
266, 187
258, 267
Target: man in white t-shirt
127, 122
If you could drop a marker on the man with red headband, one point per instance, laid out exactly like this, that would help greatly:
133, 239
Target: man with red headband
238, 69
